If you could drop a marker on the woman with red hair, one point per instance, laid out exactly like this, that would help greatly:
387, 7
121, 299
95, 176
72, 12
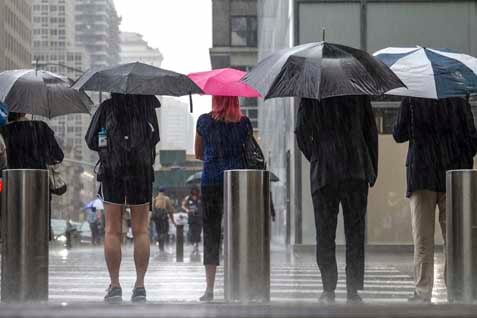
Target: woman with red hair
219, 139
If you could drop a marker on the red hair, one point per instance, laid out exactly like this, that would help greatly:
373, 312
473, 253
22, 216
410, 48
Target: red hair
226, 108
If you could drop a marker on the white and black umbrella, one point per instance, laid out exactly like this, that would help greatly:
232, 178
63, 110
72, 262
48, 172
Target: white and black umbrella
431, 73
320, 70
41, 93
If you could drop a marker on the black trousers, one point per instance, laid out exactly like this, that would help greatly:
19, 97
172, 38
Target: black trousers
353, 196
162, 229
213, 210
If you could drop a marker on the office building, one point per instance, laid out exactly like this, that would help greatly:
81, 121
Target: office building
135, 49
234, 33
15, 34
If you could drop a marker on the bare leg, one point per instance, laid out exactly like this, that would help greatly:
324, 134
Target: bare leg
210, 271
112, 241
140, 222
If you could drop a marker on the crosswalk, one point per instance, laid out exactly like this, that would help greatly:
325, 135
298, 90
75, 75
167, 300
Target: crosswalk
83, 278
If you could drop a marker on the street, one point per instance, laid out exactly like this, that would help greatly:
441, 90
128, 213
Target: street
80, 275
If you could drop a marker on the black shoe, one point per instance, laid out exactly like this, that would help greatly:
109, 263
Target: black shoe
114, 295
138, 295
327, 298
353, 298
207, 296
419, 299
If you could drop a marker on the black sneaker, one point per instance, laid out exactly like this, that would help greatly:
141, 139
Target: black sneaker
207, 296
138, 295
353, 298
327, 298
419, 299
114, 295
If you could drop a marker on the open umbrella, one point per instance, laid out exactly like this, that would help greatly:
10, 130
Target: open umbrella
41, 93
137, 78
320, 70
196, 177
223, 82
431, 73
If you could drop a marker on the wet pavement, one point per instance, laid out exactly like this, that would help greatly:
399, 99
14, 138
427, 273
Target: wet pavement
79, 275
78, 279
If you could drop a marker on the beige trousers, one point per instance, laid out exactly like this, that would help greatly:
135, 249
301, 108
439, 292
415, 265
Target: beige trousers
423, 211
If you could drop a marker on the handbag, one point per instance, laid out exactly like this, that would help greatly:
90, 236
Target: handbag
252, 154
57, 183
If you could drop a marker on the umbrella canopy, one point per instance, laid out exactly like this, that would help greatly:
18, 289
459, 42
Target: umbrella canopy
430, 73
137, 78
97, 204
223, 82
196, 177
321, 70
41, 93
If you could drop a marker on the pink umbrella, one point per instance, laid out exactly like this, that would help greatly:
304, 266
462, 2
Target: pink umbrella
223, 82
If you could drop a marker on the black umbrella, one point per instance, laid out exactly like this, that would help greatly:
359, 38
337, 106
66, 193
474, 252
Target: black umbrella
137, 78
196, 177
321, 70
41, 93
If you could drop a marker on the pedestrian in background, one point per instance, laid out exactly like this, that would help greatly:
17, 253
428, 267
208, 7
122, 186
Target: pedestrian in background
192, 205
442, 137
339, 138
162, 211
219, 138
124, 131
93, 221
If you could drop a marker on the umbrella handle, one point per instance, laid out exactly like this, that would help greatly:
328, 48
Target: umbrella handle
190, 103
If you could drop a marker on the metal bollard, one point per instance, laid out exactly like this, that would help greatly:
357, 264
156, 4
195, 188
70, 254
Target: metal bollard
180, 243
247, 236
25, 236
462, 235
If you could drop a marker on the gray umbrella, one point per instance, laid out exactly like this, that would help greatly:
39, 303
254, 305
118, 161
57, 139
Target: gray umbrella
41, 93
137, 78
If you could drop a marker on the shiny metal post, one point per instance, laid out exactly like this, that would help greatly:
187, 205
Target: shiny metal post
462, 235
247, 236
25, 236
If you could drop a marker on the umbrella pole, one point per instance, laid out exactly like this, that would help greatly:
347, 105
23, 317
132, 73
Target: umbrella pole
323, 34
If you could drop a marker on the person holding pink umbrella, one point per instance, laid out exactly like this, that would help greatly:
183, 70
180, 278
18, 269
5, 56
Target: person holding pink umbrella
219, 139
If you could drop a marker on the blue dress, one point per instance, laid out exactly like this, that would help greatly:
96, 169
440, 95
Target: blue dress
223, 143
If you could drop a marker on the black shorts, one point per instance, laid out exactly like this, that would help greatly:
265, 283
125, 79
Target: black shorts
129, 190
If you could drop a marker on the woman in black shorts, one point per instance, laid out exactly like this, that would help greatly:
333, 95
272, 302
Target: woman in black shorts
124, 131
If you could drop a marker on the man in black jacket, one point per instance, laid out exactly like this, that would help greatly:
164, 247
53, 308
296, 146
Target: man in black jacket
442, 137
340, 139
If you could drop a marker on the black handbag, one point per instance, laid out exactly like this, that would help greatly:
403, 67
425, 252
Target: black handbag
252, 155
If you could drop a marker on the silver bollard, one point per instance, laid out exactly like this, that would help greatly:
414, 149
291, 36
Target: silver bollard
25, 236
247, 236
462, 235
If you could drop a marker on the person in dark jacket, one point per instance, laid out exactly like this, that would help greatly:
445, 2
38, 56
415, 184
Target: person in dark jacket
124, 131
442, 136
30, 144
340, 139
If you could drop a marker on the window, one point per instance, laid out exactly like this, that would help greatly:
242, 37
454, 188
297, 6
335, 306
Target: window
244, 31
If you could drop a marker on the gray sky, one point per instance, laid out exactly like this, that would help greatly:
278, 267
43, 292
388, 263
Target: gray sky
180, 29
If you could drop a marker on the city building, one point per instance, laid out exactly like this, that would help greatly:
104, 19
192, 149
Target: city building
176, 125
15, 34
369, 25
135, 49
97, 30
55, 49
234, 33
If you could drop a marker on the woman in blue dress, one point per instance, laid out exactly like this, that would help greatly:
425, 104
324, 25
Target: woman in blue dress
219, 144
